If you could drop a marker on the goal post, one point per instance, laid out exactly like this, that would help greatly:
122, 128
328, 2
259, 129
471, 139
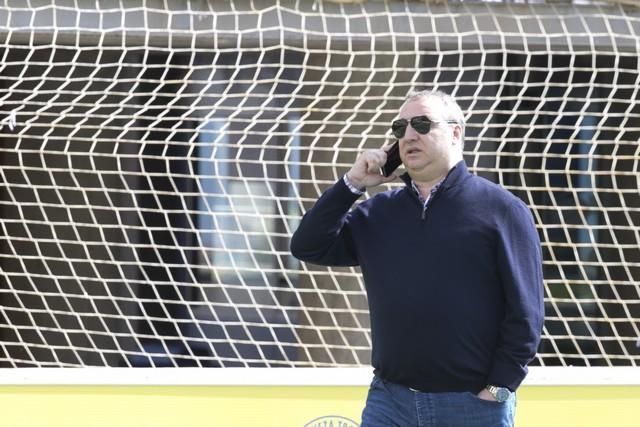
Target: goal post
155, 158
545, 377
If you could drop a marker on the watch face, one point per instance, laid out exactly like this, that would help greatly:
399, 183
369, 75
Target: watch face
502, 394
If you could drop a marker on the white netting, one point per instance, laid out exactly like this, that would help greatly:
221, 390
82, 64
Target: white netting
156, 157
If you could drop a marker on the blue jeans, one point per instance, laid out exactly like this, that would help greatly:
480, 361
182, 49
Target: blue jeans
390, 404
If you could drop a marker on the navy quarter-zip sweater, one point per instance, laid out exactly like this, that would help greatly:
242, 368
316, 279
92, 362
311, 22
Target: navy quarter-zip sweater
455, 291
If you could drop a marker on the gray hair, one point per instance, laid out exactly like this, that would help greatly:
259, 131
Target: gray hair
451, 110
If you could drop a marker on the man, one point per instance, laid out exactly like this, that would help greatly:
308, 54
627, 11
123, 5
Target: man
452, 268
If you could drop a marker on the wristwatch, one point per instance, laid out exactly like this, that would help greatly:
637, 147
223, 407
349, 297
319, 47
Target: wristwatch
501, 394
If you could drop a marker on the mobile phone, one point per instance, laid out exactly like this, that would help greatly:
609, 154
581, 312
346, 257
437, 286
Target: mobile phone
393, 160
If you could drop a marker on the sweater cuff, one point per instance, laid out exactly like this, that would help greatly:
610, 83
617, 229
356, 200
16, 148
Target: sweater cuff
508, 375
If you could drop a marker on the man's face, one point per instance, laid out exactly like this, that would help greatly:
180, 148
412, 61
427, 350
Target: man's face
430, 155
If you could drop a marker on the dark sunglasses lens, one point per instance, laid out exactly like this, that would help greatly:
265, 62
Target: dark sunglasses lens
398, 128
421, 125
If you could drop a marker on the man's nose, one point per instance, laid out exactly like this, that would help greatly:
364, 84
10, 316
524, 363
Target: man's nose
410, 133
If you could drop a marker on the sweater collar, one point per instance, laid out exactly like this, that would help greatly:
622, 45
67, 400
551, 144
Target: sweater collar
453, 178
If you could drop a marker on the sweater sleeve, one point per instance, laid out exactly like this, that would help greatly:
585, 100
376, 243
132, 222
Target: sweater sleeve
323, 235
520, 266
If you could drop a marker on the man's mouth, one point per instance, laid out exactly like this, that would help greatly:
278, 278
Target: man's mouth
412, 150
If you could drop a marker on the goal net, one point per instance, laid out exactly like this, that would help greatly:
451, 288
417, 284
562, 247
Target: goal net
156, 157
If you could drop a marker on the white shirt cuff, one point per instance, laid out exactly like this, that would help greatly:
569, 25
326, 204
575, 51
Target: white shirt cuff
352, 187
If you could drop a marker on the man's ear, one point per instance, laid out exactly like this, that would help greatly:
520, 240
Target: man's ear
457, 134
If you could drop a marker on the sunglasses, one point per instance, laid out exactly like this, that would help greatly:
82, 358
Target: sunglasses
421, 124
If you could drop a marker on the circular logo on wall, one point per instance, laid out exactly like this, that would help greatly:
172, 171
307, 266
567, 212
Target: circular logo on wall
331, 421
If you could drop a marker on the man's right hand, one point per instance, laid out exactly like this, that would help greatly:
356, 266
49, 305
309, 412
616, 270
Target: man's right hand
365, 172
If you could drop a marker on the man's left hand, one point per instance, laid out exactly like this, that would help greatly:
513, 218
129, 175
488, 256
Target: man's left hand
485, 395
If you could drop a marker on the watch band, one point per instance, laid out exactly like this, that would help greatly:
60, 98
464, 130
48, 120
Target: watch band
501, 394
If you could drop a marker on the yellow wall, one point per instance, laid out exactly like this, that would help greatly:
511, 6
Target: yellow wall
266, 406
